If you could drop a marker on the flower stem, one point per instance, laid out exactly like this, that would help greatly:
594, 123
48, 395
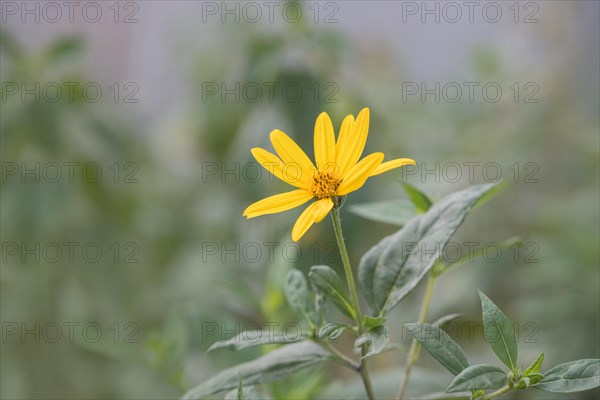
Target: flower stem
337, 226
415, 347
364, 369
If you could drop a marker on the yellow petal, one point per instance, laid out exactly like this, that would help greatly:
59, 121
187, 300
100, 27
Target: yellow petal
313, 213
388, 165
324, 143
323, 207
345, 132
292, 155
352, 144
358, 175
275, 166
278, 203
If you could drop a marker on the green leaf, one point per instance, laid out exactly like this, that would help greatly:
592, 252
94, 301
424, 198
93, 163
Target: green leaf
377, 339
270, 367
573, 376
420, 200
393, 267
331, 331
478, 377
531, 375
498, 187
527, 381
328, 281
535, 367
440, 346
298, 295
394, 212
248, 339
372, 323
499, 332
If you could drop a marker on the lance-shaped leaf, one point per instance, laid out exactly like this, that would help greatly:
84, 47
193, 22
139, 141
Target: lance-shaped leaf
394, 212
273, 366
248, 339
392, 268
328, 281
478, 377
420, 200
573, 376
440, 346
535, 367
298, 295
499, 332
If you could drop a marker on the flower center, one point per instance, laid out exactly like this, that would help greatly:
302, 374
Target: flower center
324, 185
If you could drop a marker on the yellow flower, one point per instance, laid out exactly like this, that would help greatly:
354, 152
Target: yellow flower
338, 170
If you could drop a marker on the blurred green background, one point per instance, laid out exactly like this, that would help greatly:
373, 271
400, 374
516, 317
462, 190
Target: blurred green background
176, 174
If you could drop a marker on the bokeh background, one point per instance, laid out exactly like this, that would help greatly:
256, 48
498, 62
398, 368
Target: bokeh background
171, 134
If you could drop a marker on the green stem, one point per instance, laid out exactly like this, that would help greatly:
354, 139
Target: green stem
364, 369
497, 393
364, 373
337, 226
415, 347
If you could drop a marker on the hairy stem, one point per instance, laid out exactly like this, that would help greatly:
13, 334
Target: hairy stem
364, 369
415, 347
